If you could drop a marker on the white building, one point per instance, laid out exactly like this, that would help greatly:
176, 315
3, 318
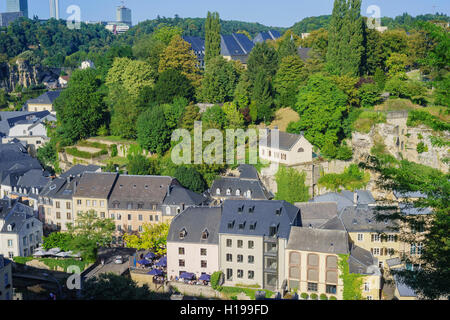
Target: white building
20, 231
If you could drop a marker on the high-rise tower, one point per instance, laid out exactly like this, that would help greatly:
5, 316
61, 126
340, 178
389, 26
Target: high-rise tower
17, 6
123, 15
54, 9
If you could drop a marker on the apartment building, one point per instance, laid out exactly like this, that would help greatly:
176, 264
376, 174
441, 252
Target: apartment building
20, 231
252, 239
6, 288
193, 242
92, 193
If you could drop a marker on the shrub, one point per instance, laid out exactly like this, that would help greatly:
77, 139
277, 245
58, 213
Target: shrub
422, 147
323, 297
417, 117
304, 295
369, 94
85, 155
314, 296
333, 298
215, 278
114, 151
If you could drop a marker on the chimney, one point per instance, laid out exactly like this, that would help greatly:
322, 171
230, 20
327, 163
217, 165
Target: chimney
355, 198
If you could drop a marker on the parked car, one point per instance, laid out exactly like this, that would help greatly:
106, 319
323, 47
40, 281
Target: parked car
118, 260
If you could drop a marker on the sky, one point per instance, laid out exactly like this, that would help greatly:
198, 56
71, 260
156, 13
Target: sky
276, 13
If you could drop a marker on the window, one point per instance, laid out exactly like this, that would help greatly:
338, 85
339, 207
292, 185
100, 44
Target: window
240, 243
313, 259
140, 228
68, 216
156, 218
24, 241
203, 264
168, 210
181, 251
183, 233
130, 228
218, 191
151, 217
313, 274
112, 216
140, 205
88, 203
68, 205
294, 272
228, 192
251, 259
102, 203
332, 276
31, 238
238, 192
229, 257
119, 228
360, 237
181, 263
391, 238
11, 255
229, 243
294, 258
370, 297
413, 248
58, 215
376, 251
332, 262
119, 216
94, 203
205, 235
129, 217
312, 286
203, 252
301, 150
251, 244
240, 273
229, 274
331, 289
366, 286
6, 279
140, 217
375, 238
240, 258
57, 204
249, 194
10, 243
251, 274
419, 248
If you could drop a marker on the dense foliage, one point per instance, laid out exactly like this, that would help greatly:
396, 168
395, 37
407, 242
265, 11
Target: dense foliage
291, 185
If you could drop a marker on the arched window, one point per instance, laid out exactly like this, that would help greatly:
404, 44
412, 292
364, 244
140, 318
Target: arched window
301, 150
238, 192
249, 194
218, 191
167, 210
228, 192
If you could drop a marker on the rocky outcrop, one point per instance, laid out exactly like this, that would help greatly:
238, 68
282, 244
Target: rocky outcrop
21, 73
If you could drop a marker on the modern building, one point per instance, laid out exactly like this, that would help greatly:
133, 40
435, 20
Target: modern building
193, 242
253, 236
123, 15
17, 6
266, 35
245, 185
20, 231
54, 9
285, 148
6, 18
236, 46
44, 102
6, 288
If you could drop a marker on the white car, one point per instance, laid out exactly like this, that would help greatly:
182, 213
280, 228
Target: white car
118, 260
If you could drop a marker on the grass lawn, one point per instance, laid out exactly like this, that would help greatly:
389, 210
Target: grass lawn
54, 263
114, 139
121, 161
283, 117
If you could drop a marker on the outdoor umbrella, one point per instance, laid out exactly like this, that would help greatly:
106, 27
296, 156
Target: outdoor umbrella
155, 272
150, 255
144, 262
162, 262
205, 277
187, 276
39, 253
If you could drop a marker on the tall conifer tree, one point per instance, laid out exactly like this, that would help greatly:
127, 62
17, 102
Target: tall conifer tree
212, 36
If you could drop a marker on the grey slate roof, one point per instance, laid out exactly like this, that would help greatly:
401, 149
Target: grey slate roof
346, 198
286, 140
333, 224
46, 98
15, 161
362, 261
316, 214
266, 35
403, 289
394, 262
409, 209
79, 169
318, 240
235, 44
96, 185
16, 216
180, 195
195, 220
304, 53
258, 191
9, 119
248, 171
363, 219
263, 217
130, 189
412, 194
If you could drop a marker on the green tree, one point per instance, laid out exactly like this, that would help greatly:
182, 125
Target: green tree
80, 109
214, 117
165, 34
219, 81
61, 240
152, 131
322, 108
190, 178
141, 165
396, 64
212, 37
242, 92
109, 286
153, 238
262, 59
172, 84
174, 112
262, 97
235, 119
288, 79
432, 279
191, 115
179, 56
369, 94
351, 179
291, 185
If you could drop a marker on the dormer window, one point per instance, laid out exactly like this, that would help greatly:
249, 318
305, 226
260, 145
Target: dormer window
116, 204
238, 192
218, 191
228, 192
140, 205
249, 194
9, 227
278, 211
183, 233
242, 225
231, 224
252, 225
205, 234
251, 209
241, 208
130, 205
